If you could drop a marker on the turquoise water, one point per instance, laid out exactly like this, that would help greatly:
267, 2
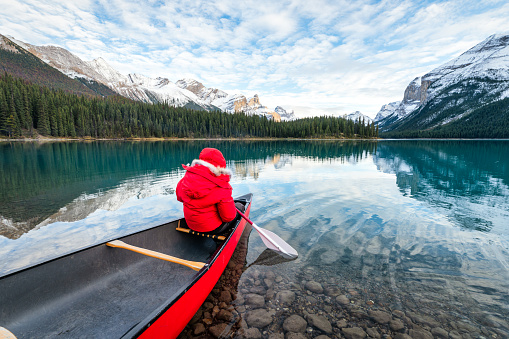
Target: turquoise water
418, 230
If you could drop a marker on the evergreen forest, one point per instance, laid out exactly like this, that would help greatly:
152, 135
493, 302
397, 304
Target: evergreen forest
29, 110
489, 121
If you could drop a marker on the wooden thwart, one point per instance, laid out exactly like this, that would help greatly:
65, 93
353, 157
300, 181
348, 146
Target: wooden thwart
195, 265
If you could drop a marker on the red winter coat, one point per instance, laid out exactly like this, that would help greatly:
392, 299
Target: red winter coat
207, 197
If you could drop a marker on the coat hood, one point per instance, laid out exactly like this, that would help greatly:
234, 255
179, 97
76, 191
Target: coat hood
213, 156
217, 175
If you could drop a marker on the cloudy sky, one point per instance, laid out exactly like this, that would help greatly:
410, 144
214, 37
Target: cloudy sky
316, 57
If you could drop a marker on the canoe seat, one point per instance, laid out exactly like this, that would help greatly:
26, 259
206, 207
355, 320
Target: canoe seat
181, 227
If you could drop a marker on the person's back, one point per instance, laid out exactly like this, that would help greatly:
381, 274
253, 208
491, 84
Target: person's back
206, 192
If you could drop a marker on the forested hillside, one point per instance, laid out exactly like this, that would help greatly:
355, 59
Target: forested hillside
22, 64
28, 110
489, 121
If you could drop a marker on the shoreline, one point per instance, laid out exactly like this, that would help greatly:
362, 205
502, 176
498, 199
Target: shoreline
88, 139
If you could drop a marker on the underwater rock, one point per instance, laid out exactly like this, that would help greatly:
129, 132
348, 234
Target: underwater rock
255, 300
320, 322
380, 317
259, 318
285, 297
314, 287
354, 333
397, 325
343, 300
295, 323
252, 333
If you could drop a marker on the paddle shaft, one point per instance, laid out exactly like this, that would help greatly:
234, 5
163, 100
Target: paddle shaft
244, 216
191, 264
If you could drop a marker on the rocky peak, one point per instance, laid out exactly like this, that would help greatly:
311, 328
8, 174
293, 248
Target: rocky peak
240, 104
7, 44
275, 116
284, 114
254, 101
413, 91
108, 74
191, 85
387, 110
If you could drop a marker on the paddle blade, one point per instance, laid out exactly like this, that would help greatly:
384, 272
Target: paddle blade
270, 258
275, 243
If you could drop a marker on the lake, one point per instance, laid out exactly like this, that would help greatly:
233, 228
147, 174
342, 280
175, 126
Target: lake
394, 238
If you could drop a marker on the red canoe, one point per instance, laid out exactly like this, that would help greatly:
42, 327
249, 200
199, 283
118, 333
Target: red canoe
105, 292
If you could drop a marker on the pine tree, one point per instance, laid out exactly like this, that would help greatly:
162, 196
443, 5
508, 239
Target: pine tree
43, 120
4, 113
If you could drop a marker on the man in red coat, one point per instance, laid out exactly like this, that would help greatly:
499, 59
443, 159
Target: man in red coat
207, 194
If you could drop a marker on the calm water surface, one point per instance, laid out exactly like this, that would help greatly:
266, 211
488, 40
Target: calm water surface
408, 237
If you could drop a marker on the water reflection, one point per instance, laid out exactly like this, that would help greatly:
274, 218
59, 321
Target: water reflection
465, 180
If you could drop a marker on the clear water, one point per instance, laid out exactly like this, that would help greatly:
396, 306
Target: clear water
418, 230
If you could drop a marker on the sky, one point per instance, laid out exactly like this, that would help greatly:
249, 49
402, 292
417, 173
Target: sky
314, 57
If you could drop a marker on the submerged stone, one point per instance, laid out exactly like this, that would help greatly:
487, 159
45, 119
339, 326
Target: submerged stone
255, 300
314, 287
343, 299
396, 325
320, 322
259, 318
380, 317
285, 297
252, 333
217, 330
354, 333
420, 334
295, 323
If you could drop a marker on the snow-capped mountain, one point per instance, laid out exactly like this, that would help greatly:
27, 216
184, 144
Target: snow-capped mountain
387, 110
233, 103
284, 114
478, 77
186, 92
395, 111
356, 115
63, 60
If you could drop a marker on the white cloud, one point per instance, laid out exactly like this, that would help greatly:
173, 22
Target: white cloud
348, 55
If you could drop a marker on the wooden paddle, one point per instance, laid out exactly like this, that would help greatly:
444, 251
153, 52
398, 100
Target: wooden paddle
6, 334
191, 264
273, 241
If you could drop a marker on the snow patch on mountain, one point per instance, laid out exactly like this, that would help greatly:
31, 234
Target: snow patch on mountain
284, 114
387, 110
107, 74
356, 115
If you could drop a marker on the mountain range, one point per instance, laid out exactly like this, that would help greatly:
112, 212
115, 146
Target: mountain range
469, 93
99, 77
466, 97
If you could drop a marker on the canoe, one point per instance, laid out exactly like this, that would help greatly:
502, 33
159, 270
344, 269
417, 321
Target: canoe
106, 292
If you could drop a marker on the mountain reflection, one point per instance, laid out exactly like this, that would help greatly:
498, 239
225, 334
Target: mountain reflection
467, 180
42, 183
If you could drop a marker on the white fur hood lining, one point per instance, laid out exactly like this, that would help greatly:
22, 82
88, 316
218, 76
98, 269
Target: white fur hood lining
214, 169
